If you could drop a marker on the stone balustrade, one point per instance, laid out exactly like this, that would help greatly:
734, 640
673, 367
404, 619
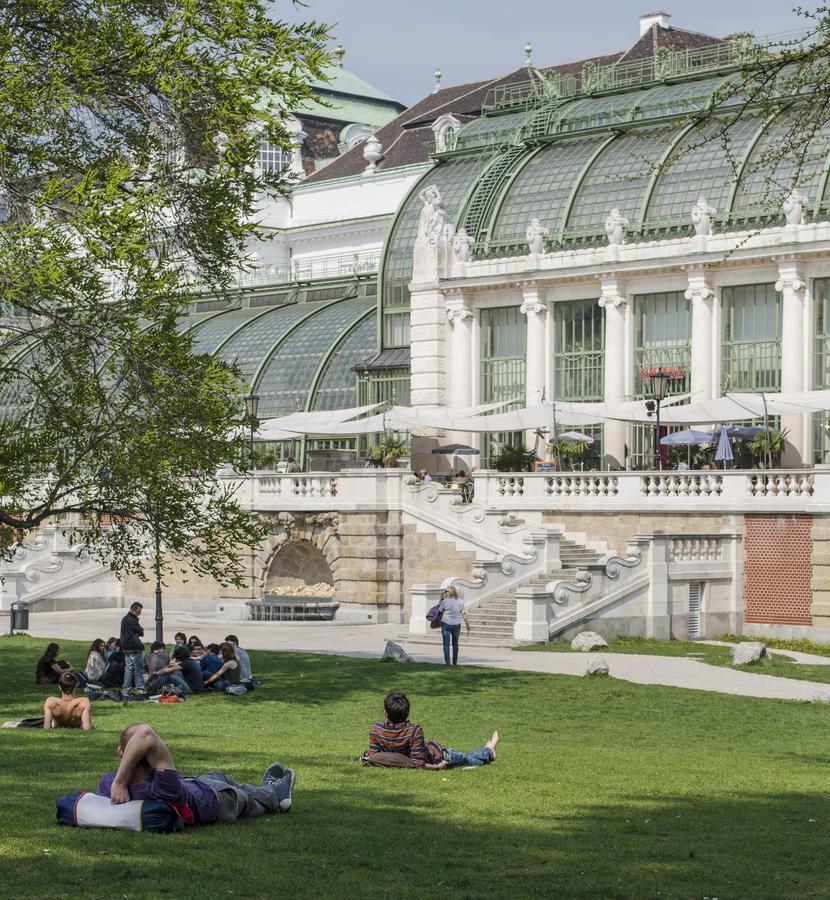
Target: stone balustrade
730, 491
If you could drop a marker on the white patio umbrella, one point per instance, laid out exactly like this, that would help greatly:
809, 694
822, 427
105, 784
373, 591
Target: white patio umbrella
724, 451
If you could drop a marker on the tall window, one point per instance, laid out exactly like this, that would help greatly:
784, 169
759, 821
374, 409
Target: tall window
395, 328
578, 361
271, 158
663, 338
821, 366
578, 344
751, 338
503, 368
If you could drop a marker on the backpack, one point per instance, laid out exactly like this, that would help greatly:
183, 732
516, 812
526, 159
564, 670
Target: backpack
434, 616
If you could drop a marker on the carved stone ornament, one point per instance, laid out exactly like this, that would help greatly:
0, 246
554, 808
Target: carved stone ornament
615, 226
458, 314
790, 283
793, 207
611, 296
536, 234
433, 216
702, 214
372, 153
461, 244
699, 293
533, 306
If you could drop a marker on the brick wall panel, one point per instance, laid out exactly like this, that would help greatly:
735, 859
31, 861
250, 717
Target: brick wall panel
778, 569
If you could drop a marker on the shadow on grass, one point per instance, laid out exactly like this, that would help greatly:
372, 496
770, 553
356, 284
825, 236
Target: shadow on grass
378, 838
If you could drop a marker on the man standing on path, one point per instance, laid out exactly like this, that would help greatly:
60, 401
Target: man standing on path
133, 647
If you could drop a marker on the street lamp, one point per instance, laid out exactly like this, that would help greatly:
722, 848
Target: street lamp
251, 409
659, 379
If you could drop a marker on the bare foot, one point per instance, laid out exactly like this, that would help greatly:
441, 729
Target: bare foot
494, 739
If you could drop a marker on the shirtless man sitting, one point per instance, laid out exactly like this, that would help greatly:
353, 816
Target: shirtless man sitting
68, 711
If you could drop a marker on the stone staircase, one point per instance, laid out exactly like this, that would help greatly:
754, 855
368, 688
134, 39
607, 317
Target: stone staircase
492, 620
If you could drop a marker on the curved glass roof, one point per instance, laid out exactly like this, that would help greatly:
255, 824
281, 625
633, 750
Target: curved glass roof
596, 153
454, 179
287, 377
296, 356
335, 388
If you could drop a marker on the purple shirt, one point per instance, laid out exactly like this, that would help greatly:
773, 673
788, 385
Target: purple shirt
167, 784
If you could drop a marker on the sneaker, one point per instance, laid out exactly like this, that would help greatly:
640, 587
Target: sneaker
284, 787
273, 773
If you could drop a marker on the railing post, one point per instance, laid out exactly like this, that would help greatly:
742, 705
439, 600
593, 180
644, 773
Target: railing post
422, 598
532, 615
658, 617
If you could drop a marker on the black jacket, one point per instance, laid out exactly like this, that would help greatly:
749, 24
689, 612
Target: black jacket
131, 633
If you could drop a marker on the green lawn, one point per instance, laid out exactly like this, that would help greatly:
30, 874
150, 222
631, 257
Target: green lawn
602, 789
777, 665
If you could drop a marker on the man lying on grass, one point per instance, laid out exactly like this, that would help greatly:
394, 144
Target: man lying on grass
398, 735
67, 711
146, 772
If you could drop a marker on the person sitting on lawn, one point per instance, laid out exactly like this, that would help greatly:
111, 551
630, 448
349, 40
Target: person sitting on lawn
147, 772
95, 663
68, 711
398, 735
228, 672
245, 675
196, 647
49, 668
162, 670
179, 640
191, 669
210, 662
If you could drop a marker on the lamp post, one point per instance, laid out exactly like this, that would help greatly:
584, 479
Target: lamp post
251, 409
659, 380
157, 567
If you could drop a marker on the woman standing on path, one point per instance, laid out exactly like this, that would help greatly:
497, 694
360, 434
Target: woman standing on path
452, 612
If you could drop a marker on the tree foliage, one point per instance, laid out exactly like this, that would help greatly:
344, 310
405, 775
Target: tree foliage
127, 185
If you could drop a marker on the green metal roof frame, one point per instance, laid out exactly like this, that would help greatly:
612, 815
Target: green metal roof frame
331, 351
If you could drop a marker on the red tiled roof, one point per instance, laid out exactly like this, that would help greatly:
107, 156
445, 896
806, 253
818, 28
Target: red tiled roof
408, 139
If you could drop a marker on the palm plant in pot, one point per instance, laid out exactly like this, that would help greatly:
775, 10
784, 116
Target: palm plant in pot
566, 452
390, 452
769, 445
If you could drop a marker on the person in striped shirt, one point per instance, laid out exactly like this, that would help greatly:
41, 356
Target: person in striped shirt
398, 735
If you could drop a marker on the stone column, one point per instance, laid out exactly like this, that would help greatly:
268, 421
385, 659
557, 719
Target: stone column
702, 376
460, 362
536, 311
793, 351
612, 300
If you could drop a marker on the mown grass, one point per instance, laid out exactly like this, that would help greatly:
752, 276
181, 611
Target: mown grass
602, 789
776, 665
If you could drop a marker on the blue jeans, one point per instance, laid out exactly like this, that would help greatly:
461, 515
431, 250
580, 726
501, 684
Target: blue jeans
447, 632
479, 757
133, 664
155, 684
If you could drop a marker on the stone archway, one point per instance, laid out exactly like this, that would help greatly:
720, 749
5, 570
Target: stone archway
300, 546
297, 565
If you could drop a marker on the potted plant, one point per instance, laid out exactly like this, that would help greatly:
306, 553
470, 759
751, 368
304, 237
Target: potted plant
770, 445
391, 452
566, 453
514, 459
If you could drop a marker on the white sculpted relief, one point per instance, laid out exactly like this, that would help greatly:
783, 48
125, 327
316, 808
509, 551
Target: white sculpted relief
794, 207
702, 215
461, 243
615, 226
433, 216
536, 234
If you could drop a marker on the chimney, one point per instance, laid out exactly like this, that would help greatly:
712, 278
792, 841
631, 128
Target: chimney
654, 18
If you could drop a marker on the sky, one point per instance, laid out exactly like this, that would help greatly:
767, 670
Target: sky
396, 45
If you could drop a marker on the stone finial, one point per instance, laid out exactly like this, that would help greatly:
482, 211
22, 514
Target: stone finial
437, 74
337, 55
536, 234
793, 207
615, 226
461, 244
702, 215
529, 54
372, 153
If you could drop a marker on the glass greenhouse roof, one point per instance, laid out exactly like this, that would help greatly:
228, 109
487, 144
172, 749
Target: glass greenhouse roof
574, 159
